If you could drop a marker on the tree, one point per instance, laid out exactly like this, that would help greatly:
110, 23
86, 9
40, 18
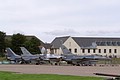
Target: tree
2, 42
17, 41
32, 45
8, 43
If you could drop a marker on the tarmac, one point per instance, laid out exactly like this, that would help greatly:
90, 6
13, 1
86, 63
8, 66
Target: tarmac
62, 70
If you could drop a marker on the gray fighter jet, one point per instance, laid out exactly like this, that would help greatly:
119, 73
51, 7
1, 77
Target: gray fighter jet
80, 60
28, 56
11, 56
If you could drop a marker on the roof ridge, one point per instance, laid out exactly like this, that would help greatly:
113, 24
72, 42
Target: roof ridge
98, 37
63, 37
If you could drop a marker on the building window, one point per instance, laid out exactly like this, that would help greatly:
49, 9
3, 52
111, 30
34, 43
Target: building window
115, 50
94, 50
104, 50
75, 51
99, 50
83, 50
70, 50
110, 50
88, 50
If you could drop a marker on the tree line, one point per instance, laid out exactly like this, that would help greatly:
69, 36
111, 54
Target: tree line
18, 40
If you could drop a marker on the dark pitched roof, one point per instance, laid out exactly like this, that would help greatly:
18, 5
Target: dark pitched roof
56, 43
87, 42
47, 45
99, 41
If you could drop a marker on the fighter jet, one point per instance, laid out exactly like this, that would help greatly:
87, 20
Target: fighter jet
71, 58
80, 60
12, 56
28, 56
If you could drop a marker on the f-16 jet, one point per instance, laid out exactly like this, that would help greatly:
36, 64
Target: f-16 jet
28, 56
80, 59
13, 56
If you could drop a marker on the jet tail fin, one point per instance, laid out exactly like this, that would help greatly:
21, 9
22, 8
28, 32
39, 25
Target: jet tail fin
65, 50
25, 51
10, 53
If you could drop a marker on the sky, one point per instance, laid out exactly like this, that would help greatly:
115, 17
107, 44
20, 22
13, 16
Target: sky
48, 19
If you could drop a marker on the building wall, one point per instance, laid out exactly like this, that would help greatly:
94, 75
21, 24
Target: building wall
110, 50
57, 51
71, 44
103, 50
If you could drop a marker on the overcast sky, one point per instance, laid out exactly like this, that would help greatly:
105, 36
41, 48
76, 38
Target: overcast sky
48, 19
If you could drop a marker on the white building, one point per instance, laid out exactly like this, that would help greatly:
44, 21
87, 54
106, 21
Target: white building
109, 47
